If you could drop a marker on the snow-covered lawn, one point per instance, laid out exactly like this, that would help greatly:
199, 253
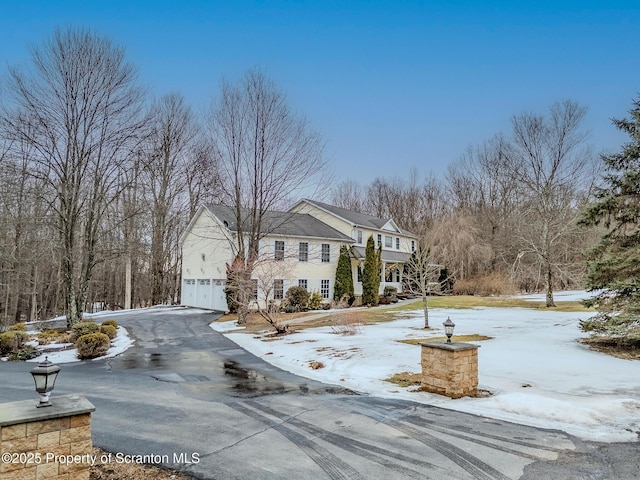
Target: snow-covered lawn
537, 371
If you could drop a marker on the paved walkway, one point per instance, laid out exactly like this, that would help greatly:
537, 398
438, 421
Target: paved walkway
193, 398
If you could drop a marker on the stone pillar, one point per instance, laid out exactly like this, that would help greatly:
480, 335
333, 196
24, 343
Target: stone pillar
46, 443
450, 369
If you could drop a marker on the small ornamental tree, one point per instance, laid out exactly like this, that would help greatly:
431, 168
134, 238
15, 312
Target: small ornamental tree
614, 266
421, 274
371, 274
344, 278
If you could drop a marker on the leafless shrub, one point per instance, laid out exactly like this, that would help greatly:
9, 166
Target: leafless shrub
346, 324
493, 284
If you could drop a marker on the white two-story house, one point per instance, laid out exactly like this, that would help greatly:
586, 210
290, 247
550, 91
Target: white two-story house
397, 244
299, 248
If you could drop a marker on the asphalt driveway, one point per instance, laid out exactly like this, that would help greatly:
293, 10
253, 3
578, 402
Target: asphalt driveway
200, 404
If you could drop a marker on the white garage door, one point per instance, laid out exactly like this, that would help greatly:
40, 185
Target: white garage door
204, 293
218, 298
189, 292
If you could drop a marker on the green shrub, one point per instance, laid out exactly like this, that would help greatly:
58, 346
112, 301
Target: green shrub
314, 301
92, 345
59, 335
371, 273
18, 327
344, 279
110, 322
109, 330
297, 298
12, 341
390, 291
23, 354
8, 342
84, 328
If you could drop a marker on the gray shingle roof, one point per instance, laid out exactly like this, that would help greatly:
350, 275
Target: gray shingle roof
361, 219
281, 223
356, 218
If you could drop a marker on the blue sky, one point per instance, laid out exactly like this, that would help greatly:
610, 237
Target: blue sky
391, 85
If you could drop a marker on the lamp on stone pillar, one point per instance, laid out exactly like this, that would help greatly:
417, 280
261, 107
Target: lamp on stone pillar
448, 328
44, 376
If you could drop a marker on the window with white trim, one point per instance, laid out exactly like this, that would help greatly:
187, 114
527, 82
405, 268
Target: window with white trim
389, 276
304, 283
413, 245
278, 289
303, 252
254, 289
326, 253
324, 288
359, 236
279, 250
397, 243
379, 240
388, 241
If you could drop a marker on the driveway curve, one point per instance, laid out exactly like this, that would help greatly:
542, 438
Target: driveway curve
190, 399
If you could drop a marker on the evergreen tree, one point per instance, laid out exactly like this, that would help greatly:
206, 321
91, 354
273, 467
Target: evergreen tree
376, 279
614, 265
370, 274
344, 277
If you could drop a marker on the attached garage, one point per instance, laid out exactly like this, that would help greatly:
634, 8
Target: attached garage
204, 293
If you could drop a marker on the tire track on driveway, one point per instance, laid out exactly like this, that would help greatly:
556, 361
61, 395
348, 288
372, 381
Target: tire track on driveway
333, 466
365, 450
478, 469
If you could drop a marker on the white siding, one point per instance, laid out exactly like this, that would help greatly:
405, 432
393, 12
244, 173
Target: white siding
206, 250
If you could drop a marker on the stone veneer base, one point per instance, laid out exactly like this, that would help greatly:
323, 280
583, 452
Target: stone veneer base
450, 369
32, 440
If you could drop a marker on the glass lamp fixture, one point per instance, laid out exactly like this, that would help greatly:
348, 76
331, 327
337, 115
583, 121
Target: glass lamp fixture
448, 328
44, 376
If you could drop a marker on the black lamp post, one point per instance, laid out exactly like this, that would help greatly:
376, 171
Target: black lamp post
448, 328
44, 376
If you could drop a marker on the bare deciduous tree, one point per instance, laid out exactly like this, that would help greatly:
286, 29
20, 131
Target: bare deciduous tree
79, 108
351, 195
266, 274
166, 172
550, 162
405, 201
421, 275
265, 155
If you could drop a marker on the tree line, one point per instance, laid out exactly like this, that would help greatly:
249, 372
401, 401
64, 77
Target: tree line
505, 214
98, 180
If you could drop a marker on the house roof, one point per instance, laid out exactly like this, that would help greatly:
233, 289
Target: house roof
281, 223
388, 256
356, 218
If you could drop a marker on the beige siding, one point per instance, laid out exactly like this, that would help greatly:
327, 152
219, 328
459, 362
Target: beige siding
343, 227
292, 269
206, 249
352, 231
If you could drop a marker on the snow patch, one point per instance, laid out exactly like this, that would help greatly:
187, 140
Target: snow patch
119, 344
538, 372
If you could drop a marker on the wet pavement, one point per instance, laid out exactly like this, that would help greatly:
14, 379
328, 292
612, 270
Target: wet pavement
191, 396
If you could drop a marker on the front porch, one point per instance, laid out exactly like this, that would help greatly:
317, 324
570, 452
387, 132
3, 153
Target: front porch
391, 273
